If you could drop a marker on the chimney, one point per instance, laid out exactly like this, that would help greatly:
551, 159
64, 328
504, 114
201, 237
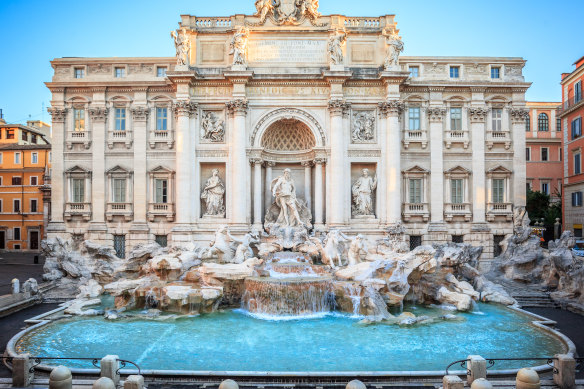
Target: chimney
2, 121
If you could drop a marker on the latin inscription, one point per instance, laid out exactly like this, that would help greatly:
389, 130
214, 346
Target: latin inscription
287, 51
364, 91
287, 90
209, 91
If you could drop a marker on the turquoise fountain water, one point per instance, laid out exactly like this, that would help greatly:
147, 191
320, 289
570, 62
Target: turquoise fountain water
235, 341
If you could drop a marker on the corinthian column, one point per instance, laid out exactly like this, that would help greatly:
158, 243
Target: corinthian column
139, 119
257, 192
479, 207
318, 192
436, 115
57, 225
268, 190
307, 183
238, 109
338, 198
518, 116
98, 117
391, 110
183, 111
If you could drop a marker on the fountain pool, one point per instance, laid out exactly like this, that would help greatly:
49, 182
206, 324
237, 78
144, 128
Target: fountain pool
237, 341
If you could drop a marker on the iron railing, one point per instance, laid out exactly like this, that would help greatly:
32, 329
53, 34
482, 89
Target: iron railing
491, 362
570, 103
94, 361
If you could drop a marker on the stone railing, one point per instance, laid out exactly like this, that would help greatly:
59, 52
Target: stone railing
165, 136
418, 136
119, 137
452, 210
362, 23
119, 209
458, 136
498, 137
416, 210
82, 137
162, 210
499, 209
220, 23
78, 209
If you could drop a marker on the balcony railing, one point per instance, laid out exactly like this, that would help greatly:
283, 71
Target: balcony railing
78, 209
119, 137
119, 209
499, 209
215, 23
416, 210
83, 137
456, 136
164, 136
161, 210
498, 137
417, 136
452, 210
570, 103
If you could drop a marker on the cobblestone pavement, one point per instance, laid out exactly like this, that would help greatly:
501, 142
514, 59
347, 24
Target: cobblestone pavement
21, 266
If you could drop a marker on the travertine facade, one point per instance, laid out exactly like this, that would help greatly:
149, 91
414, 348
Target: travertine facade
443, 138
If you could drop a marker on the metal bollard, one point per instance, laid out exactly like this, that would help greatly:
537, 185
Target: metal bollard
15, 286
36, 259
61, 378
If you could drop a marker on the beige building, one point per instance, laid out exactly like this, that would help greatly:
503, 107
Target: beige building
170, 148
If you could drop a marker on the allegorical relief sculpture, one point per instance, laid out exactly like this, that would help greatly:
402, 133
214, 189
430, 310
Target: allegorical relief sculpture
213, 194
363, 127
239, 46
212, 128
335, 47
362, 191
394, 48
182, 45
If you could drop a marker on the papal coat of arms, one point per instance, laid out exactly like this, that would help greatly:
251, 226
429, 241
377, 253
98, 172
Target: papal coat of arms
287, 12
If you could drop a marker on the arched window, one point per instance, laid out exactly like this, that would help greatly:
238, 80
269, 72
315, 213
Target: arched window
543, 123
527, 123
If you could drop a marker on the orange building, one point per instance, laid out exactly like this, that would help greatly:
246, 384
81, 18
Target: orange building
543, 154
25, 154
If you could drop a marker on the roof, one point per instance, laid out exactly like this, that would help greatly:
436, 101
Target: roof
16, 146
31, 129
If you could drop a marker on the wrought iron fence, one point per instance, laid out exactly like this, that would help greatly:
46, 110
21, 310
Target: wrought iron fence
492, 361
94, 361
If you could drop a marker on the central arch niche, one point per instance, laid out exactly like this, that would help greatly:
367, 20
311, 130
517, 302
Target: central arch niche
288, 135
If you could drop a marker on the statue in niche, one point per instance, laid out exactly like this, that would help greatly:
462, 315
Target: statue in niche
212, 128
239, 46
284, 191
394, 49
213, 195
363, 127
182, 45
362, 191
335, 47
264, 7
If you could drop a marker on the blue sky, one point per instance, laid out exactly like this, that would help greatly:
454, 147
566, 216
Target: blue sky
548, 34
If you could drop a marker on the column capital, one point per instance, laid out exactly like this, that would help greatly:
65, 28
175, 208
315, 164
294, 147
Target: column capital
478, 114
338, 107
306, 163
518, 115
58, 114
237, 106
270, 163
140, 113
391, 108
185, 108
98, 114
320, 161
436, 114
256, 161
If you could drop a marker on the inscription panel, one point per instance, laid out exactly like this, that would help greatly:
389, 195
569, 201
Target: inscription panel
288, 91
287, 51
210, 91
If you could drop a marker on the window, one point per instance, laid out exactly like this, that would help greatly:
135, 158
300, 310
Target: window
17, 234
497, 121
558, 124
498, 190
456, 191
527, 186
16, 180
456, 119
120, 72
79, 72
497, 249
414, 116
34, 180
119, 190
527, 123
577, 163
457, 238
544, 154
560, 154
162, 240
527, 154
120, 245
161, 191
161, 119
414, 71
545, 187
543, 122
495, 72
1, 208
161, 71
577, 91
33, 139
576, 128
120, 119
24, 136
415, 190
79, 119
577, 199
415, 241
1, 157
33, 205
16, 205
17, 158
454, 71
9, 134
78, 190
0, 180
34, 158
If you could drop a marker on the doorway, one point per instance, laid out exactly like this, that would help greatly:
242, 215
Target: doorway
33, 240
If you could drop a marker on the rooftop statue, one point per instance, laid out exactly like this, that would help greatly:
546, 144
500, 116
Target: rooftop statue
239, 46
335, 47
394, 49
182, 45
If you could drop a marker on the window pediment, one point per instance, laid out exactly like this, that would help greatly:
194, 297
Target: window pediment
499, 171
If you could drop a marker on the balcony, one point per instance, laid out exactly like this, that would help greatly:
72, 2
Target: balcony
499, 210
415, 137
124, 210
458, 136
119, 137
161, 210
165, 136
82, 210
570, 105
82, 137
498, 137
420, 210
462, 210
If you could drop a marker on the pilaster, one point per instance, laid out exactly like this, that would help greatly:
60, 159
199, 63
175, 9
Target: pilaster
478, 115
239, 172
518, 116
337, 196
436, 117
57, 225
97, 228
391, 110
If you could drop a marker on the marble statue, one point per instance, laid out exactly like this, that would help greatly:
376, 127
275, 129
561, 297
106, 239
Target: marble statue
308, 8
335, 48
244, 251
362, 191
263, 8
182, 45
358, 245
394, 49
221, 246
333, 248
239, 46
284, 191
363, 127
212, 128
213, 195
